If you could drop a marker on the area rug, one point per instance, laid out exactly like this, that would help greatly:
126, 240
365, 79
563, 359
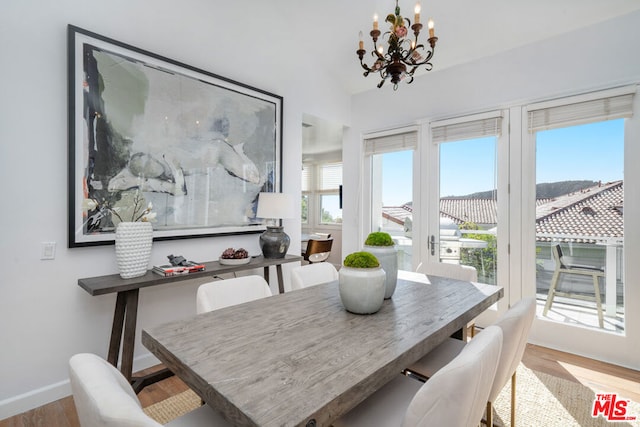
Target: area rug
173, 407
542, 401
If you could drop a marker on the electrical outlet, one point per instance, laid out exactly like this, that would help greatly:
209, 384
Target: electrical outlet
48, 250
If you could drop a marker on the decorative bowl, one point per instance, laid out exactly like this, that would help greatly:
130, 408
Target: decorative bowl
234, 261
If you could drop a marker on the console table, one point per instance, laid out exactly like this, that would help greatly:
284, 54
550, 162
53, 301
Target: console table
126, 310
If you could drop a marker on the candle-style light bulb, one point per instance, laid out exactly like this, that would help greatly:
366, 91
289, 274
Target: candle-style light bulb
380, 50
375, 21
430, 26
361, 42
417, 13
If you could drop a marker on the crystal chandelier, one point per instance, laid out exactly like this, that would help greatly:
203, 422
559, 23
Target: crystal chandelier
403, 56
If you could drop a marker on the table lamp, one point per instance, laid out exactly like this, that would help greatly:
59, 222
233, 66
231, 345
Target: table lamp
273, 207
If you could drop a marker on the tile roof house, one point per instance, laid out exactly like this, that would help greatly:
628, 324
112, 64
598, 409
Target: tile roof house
482, 212
581, 217
592, 214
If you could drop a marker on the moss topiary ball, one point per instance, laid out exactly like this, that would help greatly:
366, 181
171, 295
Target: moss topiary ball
379, 238
361, 260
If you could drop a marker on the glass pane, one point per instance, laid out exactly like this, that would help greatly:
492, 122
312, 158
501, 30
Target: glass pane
306, 178
330, 212
579, 224
392, 200
304, 211
468, 205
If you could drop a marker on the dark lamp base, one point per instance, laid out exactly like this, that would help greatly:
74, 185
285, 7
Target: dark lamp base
274, 242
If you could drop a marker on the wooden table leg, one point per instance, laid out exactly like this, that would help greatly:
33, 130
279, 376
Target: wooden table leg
125, 316
266, 273
129, 337
280, 281
116, 330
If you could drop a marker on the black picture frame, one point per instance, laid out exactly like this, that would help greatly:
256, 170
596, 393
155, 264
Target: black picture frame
199, 147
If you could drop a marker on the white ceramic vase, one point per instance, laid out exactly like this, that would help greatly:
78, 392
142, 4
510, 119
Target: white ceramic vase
133, 248
362, 289
388, 257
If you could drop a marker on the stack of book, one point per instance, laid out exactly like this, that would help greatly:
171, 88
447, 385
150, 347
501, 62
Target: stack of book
172, 270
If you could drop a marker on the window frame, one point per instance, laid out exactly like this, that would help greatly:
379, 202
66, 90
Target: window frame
368, 183
315, 193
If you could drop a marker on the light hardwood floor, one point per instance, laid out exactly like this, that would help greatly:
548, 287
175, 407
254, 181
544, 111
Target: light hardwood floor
626, 382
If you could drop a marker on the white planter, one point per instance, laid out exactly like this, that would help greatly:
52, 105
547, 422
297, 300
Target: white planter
388, 257
362, 289
133, 248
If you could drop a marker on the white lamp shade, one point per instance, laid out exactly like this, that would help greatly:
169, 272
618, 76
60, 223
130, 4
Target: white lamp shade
275, 206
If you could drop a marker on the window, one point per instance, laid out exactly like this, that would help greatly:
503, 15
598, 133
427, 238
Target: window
330, 180
579, 239
468, 192
390, 165
321, 203
306, 188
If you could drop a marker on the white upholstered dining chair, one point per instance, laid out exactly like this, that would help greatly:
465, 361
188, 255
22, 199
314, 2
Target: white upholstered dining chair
312, 274
454, 396
515, 325
454, 271
224, 293
104, 398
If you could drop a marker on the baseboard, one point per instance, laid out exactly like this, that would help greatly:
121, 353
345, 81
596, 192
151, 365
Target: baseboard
41, 396
32, 399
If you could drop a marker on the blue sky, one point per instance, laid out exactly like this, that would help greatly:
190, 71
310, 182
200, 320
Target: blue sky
588, 152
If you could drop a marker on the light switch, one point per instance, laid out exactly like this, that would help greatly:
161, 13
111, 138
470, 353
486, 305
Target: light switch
48, 250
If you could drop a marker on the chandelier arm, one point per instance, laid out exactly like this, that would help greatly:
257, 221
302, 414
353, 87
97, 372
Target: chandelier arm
425, 60
384, 75
365, 66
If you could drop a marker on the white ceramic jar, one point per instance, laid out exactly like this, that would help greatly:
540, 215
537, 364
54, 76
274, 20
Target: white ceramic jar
388, 257
362, 290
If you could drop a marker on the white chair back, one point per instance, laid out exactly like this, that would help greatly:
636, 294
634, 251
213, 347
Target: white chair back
515, 325
228, 292
457, 394
313, 274
453, 271
102, 396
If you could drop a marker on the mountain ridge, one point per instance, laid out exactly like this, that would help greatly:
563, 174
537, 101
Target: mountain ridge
545, 190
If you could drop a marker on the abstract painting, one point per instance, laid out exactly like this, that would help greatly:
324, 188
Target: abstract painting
195, 146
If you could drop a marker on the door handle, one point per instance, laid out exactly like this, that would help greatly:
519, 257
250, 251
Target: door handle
433, 243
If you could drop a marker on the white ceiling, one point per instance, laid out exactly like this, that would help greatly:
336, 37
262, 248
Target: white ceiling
321, 140
467, 29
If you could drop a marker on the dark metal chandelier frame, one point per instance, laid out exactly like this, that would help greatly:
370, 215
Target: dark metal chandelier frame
403, 56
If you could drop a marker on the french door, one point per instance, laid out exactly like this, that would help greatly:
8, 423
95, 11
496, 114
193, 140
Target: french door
467, 199
390, 174
578, 154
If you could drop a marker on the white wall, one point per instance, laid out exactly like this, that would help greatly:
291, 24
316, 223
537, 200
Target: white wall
598, 57
44, 316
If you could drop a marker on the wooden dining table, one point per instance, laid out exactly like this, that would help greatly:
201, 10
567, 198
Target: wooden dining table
300, 359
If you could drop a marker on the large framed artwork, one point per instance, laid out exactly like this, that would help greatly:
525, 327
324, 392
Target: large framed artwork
150, 130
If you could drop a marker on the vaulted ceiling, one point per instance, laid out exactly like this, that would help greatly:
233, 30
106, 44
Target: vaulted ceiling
467, 29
